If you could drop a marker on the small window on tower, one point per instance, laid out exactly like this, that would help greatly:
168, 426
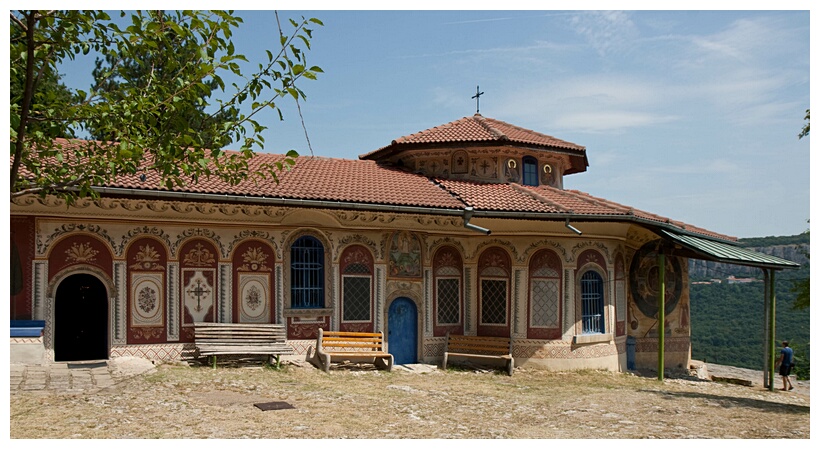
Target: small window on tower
530, 171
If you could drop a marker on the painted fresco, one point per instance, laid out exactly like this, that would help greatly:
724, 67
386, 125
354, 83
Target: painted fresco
644, 290
405, 255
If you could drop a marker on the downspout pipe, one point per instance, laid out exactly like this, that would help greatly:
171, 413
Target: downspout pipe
468, 215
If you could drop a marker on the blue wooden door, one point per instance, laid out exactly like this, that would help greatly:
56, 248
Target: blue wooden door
402, 331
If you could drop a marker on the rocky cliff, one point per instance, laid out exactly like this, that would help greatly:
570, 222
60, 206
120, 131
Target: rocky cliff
703, 269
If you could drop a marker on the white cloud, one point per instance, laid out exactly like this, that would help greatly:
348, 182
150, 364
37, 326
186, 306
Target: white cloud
605, 31
606, 121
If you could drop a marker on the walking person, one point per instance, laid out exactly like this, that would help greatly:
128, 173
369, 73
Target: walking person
786, 363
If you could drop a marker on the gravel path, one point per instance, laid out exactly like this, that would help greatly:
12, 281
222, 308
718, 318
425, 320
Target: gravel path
175, 401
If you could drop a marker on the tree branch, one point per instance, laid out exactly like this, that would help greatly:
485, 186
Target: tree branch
28, 94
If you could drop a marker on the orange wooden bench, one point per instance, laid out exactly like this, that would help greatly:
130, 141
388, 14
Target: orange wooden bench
335, 346
482, 348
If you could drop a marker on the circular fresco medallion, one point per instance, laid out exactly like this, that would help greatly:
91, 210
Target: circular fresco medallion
643, 280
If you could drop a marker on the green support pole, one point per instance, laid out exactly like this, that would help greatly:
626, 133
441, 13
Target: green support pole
772, 322
661, 312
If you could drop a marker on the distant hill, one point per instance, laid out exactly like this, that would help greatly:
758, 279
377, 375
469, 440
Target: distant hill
727, 319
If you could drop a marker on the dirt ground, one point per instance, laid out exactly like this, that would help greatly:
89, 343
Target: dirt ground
175, 401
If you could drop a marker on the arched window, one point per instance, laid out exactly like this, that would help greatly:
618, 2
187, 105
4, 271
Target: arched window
530, 171
545, 295
494, 280
592, 303
307, 273
447, 269
357, 280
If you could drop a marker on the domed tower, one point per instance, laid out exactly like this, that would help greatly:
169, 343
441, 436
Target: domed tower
485, 150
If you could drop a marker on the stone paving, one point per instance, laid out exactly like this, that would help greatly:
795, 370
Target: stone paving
72, 377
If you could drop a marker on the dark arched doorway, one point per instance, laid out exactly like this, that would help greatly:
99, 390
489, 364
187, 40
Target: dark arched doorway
80, 319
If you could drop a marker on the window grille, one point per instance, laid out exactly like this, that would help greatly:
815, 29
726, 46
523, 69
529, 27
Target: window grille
447, 300
493, 301
530, 171
545, 290
356, 291
544, 297
307, 273
592, 303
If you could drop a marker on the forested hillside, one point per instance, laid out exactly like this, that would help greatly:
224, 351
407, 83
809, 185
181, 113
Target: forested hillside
727, 319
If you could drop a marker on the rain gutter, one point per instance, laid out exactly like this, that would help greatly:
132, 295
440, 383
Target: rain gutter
467, 213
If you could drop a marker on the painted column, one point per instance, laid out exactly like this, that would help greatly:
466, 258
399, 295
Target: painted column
470, 302
381, 293
280, 294
173, 301
428, 302
520, 293
610, 306
40, 271
118, 305
335, 303
569, 304
661, 312
225, 300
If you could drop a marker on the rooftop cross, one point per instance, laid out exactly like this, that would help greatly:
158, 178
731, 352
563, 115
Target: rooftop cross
477, 98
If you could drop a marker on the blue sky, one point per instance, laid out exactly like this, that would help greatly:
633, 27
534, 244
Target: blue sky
689, 114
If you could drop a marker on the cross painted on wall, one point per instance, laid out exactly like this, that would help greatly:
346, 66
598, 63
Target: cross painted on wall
485, 165
198, 292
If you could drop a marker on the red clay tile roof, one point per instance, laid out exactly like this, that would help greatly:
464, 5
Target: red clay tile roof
319, 178
476, 129
365, 182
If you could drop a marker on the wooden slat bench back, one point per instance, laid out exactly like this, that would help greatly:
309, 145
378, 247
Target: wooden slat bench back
335, 346
212, 339
478, 347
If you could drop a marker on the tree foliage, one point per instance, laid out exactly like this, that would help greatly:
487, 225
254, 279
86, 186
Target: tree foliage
805, 131
728, 322
114, 72
802, 287
51, 94
172, 119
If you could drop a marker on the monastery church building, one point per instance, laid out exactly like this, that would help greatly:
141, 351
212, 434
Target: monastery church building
463, 228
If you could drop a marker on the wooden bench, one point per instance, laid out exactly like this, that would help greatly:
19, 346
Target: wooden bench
334, 346
482, 348
212, 339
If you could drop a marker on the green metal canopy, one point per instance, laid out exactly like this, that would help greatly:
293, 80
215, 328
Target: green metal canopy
701, 248
724, 252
